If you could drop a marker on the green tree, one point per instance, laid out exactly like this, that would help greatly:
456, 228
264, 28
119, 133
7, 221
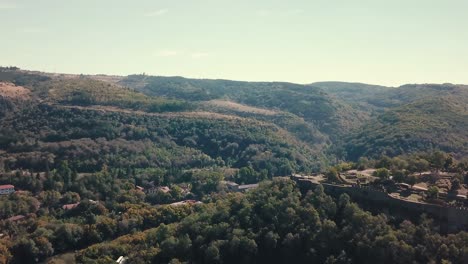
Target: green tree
25, 251
212, 254
50, 198
384, 162
363, 163
246, 175
44, 248
433, 192
455, 184
438, 160
418, 165
332, 175
382, 173
205, 182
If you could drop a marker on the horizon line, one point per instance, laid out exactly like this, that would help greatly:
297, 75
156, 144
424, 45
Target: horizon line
227, 79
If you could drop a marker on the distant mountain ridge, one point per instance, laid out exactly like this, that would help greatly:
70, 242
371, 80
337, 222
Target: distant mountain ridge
339, 109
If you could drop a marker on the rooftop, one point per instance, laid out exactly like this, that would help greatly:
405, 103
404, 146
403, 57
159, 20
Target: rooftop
70, 206
16, 218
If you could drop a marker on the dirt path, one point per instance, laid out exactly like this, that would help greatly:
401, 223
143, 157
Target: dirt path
240, 107
194, 114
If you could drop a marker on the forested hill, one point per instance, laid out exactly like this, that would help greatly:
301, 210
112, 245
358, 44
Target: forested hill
365, 97
80, 90
353, 115
375, 97
142, 167
429, 123
297, 127
91, 123
332, 117
405, 119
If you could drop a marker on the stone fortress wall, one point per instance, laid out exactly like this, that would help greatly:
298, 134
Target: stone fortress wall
451, 218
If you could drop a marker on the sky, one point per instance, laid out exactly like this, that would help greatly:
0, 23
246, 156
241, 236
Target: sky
372, 41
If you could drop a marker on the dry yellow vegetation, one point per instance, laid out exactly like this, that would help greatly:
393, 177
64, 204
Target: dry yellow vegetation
10, 90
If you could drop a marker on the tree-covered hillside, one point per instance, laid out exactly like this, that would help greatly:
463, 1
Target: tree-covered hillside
79, 90
415, 118
345, 120
329, 120
364, 97
426, 124
143, 167
92, 123
276, 224
375, 98
330, 116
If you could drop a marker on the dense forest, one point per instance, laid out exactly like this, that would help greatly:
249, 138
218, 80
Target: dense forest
375, 120
140, 166
276, 224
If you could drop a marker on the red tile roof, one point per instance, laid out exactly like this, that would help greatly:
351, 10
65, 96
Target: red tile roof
70, 206
6, 186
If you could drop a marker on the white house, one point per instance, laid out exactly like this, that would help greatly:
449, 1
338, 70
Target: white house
7, 189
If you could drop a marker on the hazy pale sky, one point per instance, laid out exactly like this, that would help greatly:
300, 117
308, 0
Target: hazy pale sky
389, 42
